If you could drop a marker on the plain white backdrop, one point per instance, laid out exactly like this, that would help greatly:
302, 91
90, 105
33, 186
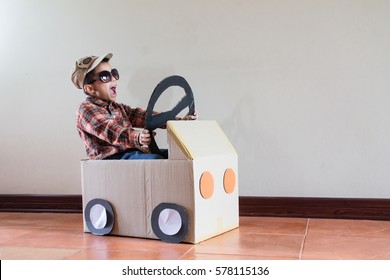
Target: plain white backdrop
301, 88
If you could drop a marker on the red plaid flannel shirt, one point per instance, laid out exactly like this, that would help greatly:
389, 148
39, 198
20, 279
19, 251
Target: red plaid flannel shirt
107, 128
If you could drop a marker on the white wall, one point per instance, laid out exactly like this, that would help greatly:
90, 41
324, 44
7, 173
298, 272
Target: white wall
300, 87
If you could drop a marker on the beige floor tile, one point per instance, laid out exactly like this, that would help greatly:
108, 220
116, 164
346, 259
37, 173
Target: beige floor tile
27, 253
269, 225
358, 228
346, 248
56, 237
8, 233
195, 256
118, 243
270, 246
96, 254
61, 236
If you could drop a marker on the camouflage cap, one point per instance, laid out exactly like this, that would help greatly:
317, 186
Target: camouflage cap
85, 65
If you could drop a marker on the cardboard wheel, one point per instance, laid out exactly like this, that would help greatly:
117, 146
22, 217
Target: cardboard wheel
99, 216
155, 121
170, 222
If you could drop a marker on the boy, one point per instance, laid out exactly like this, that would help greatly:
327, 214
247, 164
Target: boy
107, 127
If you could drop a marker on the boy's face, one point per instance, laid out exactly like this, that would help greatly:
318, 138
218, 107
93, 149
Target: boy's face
104, 91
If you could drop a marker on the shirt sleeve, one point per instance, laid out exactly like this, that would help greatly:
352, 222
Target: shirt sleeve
95, 121
136, 115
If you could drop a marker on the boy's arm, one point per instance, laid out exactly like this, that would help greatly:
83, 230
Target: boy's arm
137, 116
96, 122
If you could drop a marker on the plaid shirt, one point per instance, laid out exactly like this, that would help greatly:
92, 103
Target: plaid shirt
107, 128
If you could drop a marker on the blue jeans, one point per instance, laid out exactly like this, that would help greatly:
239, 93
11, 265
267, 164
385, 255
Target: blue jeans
136, 154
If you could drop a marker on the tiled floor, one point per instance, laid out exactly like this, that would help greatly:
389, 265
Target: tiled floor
60, 236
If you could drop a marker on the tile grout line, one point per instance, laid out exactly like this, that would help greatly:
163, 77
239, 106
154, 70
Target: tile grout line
186, 253
304, 239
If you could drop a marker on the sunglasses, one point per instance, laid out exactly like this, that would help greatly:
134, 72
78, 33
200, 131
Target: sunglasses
106, 76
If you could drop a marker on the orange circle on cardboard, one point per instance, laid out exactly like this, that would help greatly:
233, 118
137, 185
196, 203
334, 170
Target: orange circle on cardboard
229, 180
206, 185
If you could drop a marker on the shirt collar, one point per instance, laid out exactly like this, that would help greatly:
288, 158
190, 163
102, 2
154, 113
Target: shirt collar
97, 101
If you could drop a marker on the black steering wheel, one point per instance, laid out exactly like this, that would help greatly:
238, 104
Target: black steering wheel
155, 121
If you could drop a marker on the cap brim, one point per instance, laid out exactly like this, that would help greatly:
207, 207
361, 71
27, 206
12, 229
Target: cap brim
98, 60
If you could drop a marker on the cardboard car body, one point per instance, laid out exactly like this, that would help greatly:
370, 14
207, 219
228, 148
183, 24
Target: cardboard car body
200, 177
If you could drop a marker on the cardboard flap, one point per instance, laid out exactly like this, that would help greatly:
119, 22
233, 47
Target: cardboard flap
198, 139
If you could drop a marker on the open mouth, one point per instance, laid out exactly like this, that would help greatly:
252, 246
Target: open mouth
113, 91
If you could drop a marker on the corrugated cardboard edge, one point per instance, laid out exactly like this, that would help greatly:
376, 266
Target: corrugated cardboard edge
174, 135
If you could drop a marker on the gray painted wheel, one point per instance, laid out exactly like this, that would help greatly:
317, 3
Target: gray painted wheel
170, 222
99, 216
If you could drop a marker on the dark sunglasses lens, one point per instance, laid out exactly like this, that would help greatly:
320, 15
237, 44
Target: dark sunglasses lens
105, 76
115, 73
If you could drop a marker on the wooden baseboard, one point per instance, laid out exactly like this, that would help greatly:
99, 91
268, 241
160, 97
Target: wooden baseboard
303, 207
41, 203
309, 207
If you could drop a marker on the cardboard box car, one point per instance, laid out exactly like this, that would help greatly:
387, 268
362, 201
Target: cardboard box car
190, 197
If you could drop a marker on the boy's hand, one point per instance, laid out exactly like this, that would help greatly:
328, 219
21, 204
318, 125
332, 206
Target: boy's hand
144, 138
189, 117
